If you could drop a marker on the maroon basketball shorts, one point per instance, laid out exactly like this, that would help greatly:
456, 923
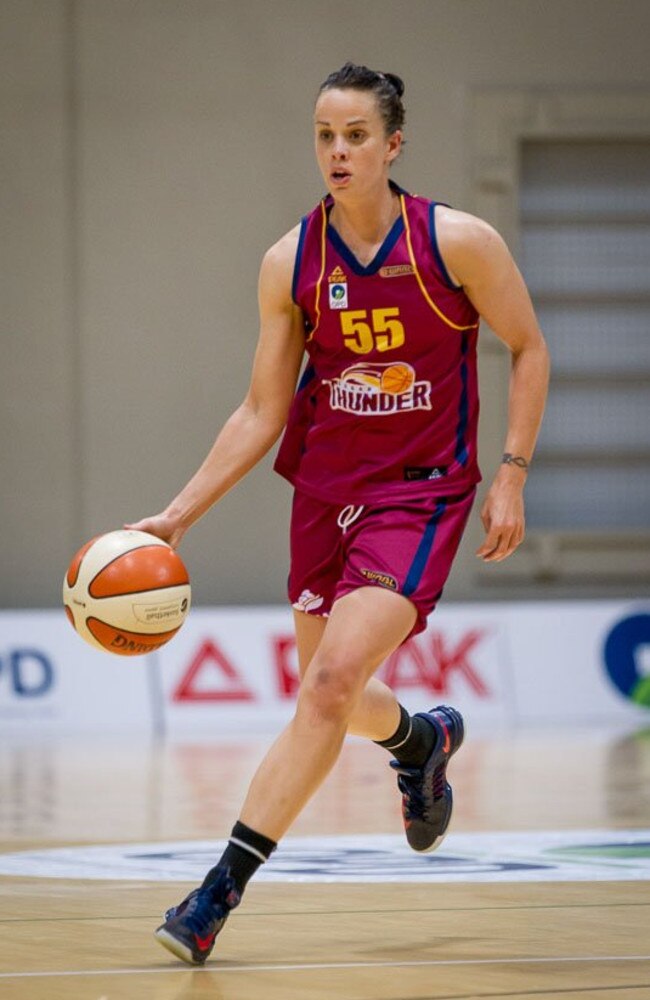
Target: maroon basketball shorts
406, 546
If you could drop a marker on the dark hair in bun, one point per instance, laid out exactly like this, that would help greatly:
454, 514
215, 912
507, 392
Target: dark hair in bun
396, 81
386, 87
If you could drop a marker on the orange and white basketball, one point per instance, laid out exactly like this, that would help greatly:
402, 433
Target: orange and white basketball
127, 592
397, 378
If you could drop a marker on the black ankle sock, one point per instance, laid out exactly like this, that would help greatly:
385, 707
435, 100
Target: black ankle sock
245, 852
412, 741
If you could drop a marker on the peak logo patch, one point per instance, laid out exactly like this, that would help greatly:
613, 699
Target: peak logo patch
338, 289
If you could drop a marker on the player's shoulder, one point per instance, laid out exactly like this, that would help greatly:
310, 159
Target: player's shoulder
276, 273
282, 254
466, 241
279, 259
470, 246
461, 229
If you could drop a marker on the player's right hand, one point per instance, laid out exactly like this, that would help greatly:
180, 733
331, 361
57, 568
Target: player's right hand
162, 526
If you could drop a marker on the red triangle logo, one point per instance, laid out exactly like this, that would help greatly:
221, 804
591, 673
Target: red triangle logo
209, 658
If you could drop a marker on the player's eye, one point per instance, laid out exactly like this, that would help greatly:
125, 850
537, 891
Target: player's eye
325, 135
357, 135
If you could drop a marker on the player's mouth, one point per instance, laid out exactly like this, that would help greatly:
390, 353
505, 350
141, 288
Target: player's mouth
340, 176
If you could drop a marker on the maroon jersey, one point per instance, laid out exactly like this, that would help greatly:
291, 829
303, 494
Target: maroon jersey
387, 407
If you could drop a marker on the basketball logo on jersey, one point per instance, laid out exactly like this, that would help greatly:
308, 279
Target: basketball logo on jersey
338, 285
379, 389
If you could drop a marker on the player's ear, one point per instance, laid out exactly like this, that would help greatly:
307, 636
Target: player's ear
394, 146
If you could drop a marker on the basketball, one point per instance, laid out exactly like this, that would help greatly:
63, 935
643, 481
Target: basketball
397, 378
126, 592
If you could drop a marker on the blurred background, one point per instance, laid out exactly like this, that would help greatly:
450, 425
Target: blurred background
153, 150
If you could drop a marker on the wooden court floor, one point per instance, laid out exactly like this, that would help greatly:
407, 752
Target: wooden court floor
82, 938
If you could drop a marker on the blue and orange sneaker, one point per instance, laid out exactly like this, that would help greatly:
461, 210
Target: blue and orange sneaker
426, 795
191, 927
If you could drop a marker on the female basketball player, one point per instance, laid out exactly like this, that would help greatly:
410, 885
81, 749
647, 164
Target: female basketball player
384, 292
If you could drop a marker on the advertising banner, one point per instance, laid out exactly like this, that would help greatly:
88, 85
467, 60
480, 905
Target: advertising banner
240, 667
230, 669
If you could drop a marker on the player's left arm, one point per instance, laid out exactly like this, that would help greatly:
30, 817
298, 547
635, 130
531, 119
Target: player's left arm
479, 260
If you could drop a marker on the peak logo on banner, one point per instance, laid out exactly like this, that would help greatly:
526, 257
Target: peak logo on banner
429, 664
237, 670
211, 677
432, 663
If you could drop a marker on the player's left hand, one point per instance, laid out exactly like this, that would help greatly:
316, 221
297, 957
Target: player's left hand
502, 515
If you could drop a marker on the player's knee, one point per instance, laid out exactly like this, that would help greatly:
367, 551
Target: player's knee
330, 689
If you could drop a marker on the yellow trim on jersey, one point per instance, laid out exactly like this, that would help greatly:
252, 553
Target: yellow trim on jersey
437, 311
322, 269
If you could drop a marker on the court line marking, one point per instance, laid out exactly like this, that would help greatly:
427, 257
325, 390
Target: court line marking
513, 907
553, 991
320, 966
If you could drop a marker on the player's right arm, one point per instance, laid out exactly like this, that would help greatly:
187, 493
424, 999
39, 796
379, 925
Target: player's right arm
257, 423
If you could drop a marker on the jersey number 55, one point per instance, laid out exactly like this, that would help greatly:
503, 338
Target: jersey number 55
382, 331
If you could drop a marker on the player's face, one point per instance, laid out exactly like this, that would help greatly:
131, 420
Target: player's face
352, 148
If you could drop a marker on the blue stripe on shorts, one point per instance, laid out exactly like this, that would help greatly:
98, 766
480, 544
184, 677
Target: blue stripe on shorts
417, 567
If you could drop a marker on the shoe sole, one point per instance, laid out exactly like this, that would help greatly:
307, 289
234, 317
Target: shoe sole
177, 947
438, 841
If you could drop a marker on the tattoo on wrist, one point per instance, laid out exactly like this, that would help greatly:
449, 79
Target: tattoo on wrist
519, 460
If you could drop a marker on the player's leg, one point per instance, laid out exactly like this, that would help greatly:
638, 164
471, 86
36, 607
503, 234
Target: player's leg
409, 548
420, 744
363, 628
377, 714
318, 535
309, 631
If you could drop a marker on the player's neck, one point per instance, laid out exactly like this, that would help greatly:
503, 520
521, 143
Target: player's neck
366, 220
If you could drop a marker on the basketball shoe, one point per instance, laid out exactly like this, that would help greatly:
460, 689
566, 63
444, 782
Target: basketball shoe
426, 795
191, 927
